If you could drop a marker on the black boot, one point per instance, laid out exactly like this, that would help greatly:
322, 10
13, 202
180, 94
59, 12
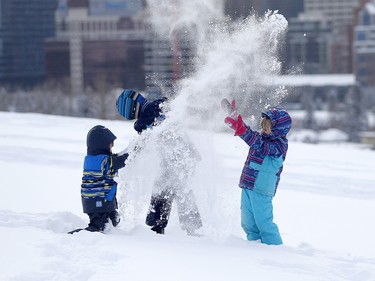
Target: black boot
115, 218
92, 228
158, 229
191, 232
97, 222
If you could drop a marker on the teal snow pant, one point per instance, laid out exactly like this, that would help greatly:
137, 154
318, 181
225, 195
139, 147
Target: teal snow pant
257, 218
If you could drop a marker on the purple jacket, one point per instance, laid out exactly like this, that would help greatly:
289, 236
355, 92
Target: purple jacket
264, 162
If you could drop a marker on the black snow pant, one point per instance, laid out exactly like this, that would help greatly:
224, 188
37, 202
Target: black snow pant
98, 220
161, 206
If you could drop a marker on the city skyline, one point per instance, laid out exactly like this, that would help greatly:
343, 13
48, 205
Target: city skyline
49, 52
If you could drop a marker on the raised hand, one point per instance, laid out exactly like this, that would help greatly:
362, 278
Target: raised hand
236, 124
229, 108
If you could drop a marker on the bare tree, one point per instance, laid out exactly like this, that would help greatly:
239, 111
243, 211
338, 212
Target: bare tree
355, 119
308, 105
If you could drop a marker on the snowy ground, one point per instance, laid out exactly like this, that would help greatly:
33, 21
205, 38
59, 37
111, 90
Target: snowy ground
324, 208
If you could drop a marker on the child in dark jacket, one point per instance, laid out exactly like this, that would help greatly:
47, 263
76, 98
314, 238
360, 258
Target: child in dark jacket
98, 189
178, 157
261, 173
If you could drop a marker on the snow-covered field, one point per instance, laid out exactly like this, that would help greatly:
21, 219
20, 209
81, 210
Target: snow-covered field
325, 209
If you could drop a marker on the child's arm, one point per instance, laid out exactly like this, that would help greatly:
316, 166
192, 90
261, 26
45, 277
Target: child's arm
229, 108
118, 161
271, 148
236, 124
275, 148
234, 120
250, 136
242, 130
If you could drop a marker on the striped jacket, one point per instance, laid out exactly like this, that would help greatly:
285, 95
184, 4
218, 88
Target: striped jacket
98, 188
264, 163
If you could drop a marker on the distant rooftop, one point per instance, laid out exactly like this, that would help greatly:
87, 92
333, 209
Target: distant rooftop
316, 80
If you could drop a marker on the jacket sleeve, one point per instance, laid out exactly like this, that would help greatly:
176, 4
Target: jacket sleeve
250, 136
274, 148
118, 161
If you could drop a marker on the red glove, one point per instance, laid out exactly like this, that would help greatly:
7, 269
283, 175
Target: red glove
237, 125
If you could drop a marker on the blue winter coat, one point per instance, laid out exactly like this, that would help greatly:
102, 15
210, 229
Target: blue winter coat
98, 189
264, 163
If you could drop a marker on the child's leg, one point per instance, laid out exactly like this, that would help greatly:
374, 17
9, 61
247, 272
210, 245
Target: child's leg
114, 217
263, 215
97, 221
188, 213
159, 210
247, 216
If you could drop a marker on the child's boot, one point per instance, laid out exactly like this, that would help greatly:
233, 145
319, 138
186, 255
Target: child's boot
158, 229
115, 218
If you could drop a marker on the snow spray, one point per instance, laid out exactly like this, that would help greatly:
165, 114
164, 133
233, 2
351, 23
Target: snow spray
234, 60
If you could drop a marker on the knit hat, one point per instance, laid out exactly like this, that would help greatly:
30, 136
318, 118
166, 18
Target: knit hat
130, 103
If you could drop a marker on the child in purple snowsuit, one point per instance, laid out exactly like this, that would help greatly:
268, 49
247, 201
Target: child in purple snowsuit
261, 173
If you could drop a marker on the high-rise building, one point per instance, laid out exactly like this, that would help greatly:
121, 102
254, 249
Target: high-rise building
342, 15
288, 8
340, 12
309, 41
364, 46
93, 46
242, 8
169, 58
114, 7
167, 61
24, 25
239, 8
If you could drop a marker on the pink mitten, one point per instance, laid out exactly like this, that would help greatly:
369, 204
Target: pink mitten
237, 125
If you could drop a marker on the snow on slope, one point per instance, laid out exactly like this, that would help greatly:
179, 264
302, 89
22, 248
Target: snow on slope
324, 208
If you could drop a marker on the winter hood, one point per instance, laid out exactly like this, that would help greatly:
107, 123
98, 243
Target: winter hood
281, 122
98, 140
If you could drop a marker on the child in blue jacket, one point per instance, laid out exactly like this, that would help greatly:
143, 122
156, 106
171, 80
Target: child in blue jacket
261, 173
98, 189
